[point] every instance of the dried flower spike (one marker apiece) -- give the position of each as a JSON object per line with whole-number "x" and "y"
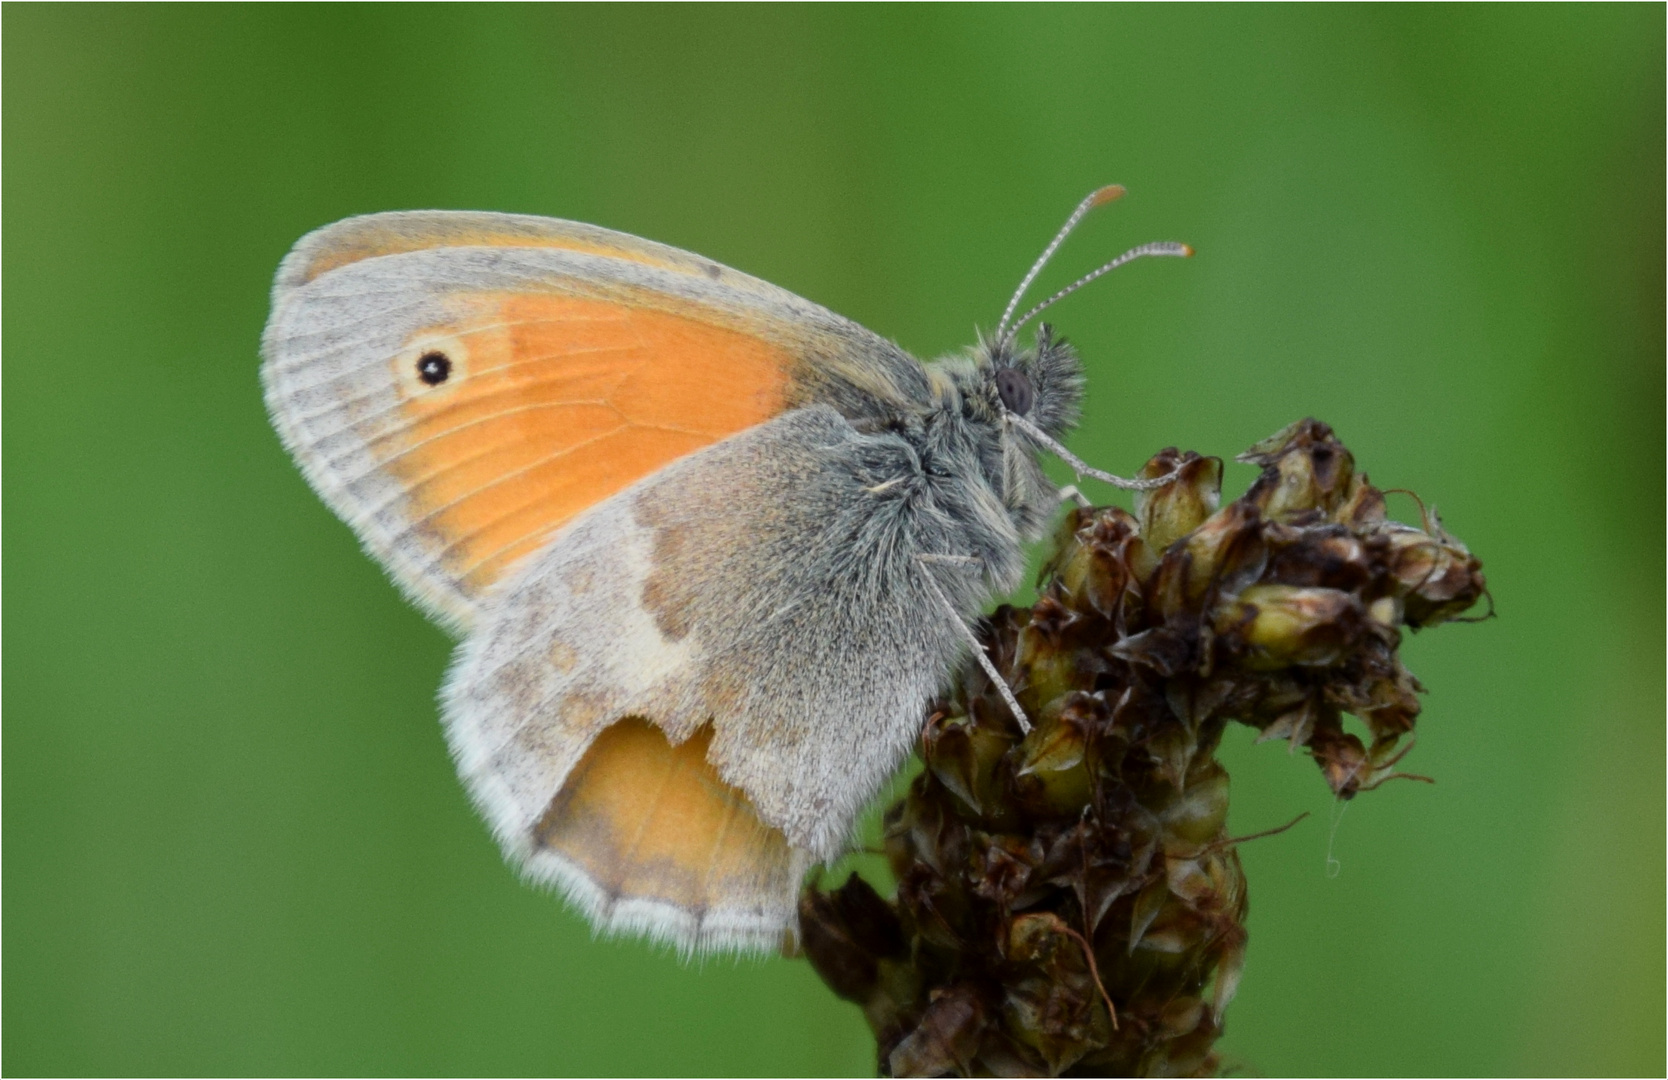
{"x": 1069, "y": 901}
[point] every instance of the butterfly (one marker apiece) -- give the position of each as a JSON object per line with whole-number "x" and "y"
{"x": 709, "y": 547}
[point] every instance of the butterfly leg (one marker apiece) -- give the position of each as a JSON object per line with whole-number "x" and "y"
{"x": 967, "y": 632}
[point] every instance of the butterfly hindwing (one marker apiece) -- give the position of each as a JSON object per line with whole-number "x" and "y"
{"x": 760, "y": 601}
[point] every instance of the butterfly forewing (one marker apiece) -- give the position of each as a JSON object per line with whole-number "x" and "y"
{"x": 457, "y": 403}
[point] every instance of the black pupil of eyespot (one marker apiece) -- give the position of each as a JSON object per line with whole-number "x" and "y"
{"x": 433, "y": 367}
{"x": 1015, "y": 391}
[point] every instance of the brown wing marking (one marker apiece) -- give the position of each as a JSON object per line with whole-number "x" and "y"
{"x": 645, "y": 820}
{"x": 553, "y": 403}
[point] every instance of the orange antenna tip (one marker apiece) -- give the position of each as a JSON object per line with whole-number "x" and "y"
{"x": 1106, "y": 195}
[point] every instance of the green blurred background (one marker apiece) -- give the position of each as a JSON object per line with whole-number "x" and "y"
{"x": 233, "y": 841}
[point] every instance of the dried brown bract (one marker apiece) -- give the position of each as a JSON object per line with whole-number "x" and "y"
{"x": 1069, "y": 901}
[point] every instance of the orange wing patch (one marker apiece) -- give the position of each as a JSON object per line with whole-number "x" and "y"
{"x": 546, "y": 404}
{"x": 646, "y": 820}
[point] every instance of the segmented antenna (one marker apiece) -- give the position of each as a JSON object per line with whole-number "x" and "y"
{"x": 1005, "y": 334}
{"x": 1161, "y": 247}
{"x": 1098, "y": 197}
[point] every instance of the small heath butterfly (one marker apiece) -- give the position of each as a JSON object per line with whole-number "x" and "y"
{"x": 710, "y": 548}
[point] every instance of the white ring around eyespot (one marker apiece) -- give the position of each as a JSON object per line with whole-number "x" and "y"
{"x": 406, "y": 375}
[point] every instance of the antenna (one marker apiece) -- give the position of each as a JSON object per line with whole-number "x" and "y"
{"x": 1098, "y": 197}
{"x": 1162, "y": 247}
{"x": 1005, "y": 334}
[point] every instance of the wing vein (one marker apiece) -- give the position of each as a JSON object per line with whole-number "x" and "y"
{"x": 406, "y": 494}
{"x": 496, "y": 552}
{"x": 346, "y": 402}
{"x": 438, "y": 330}
{"x": 630, "y": 853}
{"x": 463, "y": 538}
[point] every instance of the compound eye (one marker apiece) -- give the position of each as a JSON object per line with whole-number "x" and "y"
{"x": 1015, "y": 391}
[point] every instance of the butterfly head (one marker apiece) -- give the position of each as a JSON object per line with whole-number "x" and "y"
{"x": 1043, "y": 383}
{"x": 980, "y": 394}
{"x": 1026, "y": 398}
